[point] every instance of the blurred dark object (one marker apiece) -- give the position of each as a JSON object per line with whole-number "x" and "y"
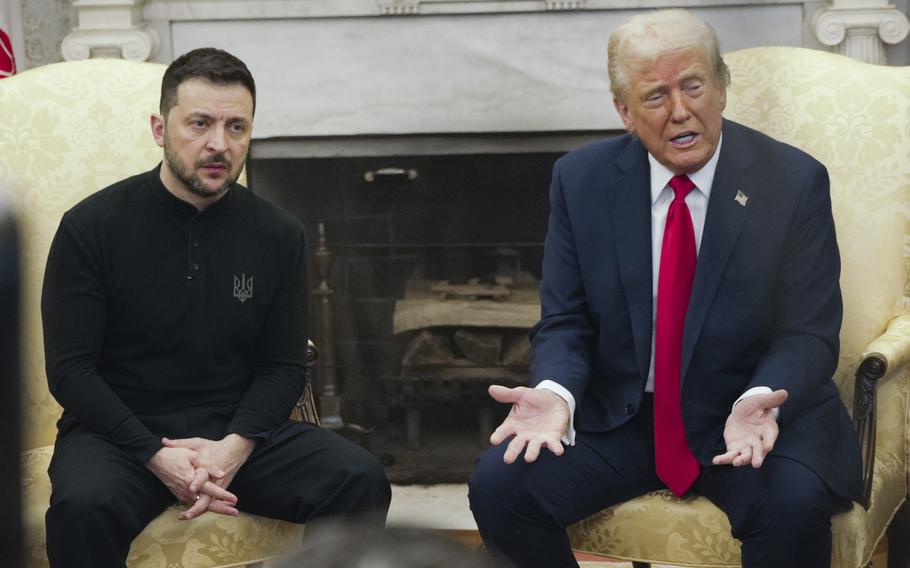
{"x": 352, "y": 545}
{"x": 10, "y": 412}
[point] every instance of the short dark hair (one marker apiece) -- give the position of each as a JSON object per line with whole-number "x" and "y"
{"x": 214, "y": 65}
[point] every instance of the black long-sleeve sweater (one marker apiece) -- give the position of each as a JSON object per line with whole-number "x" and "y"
{"x": 151, "y": 307}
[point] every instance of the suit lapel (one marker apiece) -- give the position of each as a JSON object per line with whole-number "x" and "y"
{"x": 723, "y": 224}
{"x": 629, "y": 201}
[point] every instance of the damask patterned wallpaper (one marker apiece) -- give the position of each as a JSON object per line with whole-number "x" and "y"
{"x": 45, "y": 23}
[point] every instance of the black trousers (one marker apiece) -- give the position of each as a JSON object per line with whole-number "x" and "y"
{"x": 102, "y": 497}
{"x": 781, "y": 511}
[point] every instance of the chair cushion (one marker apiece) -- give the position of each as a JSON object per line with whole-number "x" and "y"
{"x": 205, "y": 542}
{"x": 661, "y": 528}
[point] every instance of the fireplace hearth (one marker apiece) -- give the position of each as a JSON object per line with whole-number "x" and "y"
{"x": 434, "y": 256}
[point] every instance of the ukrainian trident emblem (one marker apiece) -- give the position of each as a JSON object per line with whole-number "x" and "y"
{"x": 243, "y": 288}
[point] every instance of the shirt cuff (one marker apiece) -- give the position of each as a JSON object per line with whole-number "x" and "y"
{"x": 759, "y": 390}
{"x": 569, "y": 437}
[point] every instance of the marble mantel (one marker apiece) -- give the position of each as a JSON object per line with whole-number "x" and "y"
{"x": 509, "y": 71}
{"x": 359, "y": 72}
{"x": 279, "y": 9}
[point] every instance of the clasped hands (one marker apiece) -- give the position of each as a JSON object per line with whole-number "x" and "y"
{"x": 539, "y": 418}
{"x": 198, "y": 471}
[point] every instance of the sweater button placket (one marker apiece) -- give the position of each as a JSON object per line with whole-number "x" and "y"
{"x": 193, "y": 260}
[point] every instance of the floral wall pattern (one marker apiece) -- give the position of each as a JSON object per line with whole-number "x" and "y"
{"x": 44, "y": 24}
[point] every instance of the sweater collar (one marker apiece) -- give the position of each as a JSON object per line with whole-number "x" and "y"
{"x": 181, "y": 208}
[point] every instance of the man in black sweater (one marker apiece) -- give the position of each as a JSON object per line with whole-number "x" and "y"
{"x": 175, "y": 311}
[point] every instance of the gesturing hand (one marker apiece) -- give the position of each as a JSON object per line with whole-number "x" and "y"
{"x": 751, "y": 430}
{"x": 539, "y": 417}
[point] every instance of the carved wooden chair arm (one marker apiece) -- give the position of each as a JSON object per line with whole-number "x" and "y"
{"x": 305, "y": 409}
{"x": 887, "y": 353}
{"x": 893, "y": 346}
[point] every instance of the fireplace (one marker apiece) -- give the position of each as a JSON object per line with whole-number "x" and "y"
{"x": 407, "y": 224}
{"x": 422, "y": 133}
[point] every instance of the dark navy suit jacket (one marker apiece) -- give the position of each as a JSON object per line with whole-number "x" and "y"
{"x": 765, "y": 309}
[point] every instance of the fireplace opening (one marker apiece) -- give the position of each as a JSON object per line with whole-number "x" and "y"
{"x": 436, "y": 264}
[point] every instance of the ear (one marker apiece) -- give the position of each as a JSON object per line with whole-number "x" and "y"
{"x": 723, "y": 98}
{"x": 158, "y": 129}
{"x": 623, "y": 110}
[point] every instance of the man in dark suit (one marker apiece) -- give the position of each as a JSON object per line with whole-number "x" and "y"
{"x": 689, "y": 331}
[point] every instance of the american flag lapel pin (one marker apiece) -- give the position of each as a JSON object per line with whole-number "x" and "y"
{"x": 741, "y": 198}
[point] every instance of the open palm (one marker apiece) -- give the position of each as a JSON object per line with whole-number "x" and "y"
{"x": 751, "y": 430}
{"x": 538, "y": 418}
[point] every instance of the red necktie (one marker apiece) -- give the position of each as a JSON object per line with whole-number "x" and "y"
{"x": 676, "y": 465}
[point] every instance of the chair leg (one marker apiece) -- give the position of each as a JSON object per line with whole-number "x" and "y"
{"x": 899, "y": 539}
{"x": 412, "y": 427}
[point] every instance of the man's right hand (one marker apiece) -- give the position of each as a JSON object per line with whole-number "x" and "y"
{"x": 222, "y": 458}
{"x": 538, "y": 418}
{"x": 178, "y": 470}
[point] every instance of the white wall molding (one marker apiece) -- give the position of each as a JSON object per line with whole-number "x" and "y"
{"x": 188, "y": 10}
{"x": 399, "y": 7}
{"x": 16, "y": 32}
{"x": 111, "y": 28}
{"x": 530, "y": 72}
{"x": 860, "y": 29}
{"x": 136, "y": 45}
{"x": 347, "y": 68}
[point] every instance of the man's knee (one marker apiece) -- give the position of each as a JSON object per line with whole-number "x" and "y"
{"x": 788, "y": 509}
{"x": 497, "y": 489}
{"x": 86, "y": 506}
{"x": 361, "y": 480}
{"x": 487, "y": 482}
{"x": 369, "y": 474}
{"x": 800, "y": 514}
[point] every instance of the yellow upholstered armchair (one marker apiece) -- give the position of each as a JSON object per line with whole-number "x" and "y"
{"x": 855, "y": 118}
{"x": 67, "y": 130}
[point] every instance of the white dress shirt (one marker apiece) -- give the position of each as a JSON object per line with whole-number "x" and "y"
{"x": 661, "y": 197}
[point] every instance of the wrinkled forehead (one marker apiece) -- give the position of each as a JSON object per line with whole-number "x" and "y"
{"x": 202, "y": 96}
{"x": 687, "y": 61}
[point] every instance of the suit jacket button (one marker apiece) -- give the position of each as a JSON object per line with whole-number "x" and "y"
{"x": 630, "y": 410}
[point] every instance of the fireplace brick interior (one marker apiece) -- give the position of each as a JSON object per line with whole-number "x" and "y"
{"x": 445, "y": 224}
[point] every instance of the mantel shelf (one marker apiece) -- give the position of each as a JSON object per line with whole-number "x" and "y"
{"x": 184, "y": 10}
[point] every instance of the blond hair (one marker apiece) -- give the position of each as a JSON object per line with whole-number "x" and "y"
{"x": 639, "y": 42}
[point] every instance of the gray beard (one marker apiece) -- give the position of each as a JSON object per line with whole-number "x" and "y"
{"x": 193, "y": 182}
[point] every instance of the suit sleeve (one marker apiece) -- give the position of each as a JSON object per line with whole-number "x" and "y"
{"x": 807, "y": 307}
{"x": 280, "y": 372}
{"x": 561, "y": 341}
{"x": 74, "y": 310}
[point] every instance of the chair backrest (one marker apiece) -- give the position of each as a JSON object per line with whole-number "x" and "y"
{"x": 855, "y": 118}
{"x": 66, "y": 131}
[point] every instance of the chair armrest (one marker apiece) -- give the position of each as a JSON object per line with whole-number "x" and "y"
{"x": 305, "y": 409}
{"x": 889, "y": 352}
{"x": 893, "y": 346}
{"x": 312, "y": 354}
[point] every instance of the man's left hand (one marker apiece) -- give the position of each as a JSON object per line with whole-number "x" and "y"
{"x": 221, "y": 459}
{"x": 751, "y": 430}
